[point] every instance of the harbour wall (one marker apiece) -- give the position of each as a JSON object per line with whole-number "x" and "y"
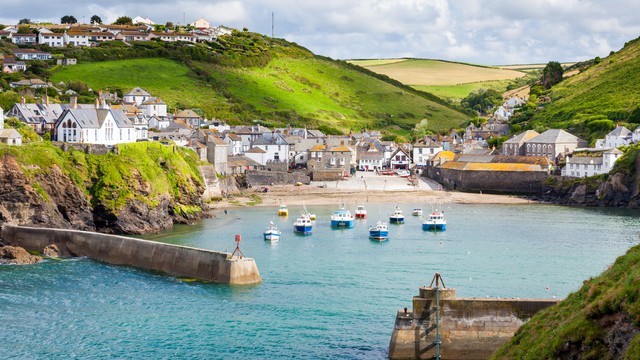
{"x": 468, "y": 328}
{"x": 494, "y": 181}
{"x": 260, "y": 177}
{"x": 174, "y": 260}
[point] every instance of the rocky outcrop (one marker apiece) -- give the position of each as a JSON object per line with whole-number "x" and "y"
{"x": 53, "y": 199}
{"x": 17, "y": 256}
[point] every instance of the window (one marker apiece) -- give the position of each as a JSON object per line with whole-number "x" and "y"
{"x": 276, "y": 156}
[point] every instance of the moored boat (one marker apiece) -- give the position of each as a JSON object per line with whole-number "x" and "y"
{"x": 435, "y": 222}
{"x": 272, "y": 233}
{"x": 361, "y": 212}
{"x": 416, "y": 212}
{"x": 397, "y": 217}
{"x": 379, "y": 232}
{"x": 342, "y": 219}
{"x": 303, "y": 224}
{"x": 283, "y": 211}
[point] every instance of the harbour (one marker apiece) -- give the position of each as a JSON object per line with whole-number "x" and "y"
{"x": 332, "y": 294}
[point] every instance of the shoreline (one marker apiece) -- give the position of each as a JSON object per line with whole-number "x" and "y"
{"x": 313, "y": 195}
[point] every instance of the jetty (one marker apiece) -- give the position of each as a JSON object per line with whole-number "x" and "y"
{"x": 174, "y": 260}
{"x": 442, "y": 326}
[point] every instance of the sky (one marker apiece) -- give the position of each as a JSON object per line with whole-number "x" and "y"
{"x": 489, "y": 32}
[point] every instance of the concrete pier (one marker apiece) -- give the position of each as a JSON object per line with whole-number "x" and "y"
{"x": 174, "y": 260}
{"x": 468, "y": 328}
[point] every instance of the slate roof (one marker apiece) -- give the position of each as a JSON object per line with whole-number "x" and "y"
{"x": 620, "y": 131}
{"x": 188, "y": 114}
{"x": 521, "y": 138}
{"x": 94, "y": 118}
{"x": 256, "y": 150}
{"x": 9, "y": 134}
{"x": 137, "y": 92}
{"x": 555, "y": 136}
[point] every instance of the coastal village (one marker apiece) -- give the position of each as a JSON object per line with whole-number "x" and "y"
{"x": 291, "y": 155}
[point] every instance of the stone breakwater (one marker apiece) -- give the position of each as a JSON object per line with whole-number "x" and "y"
{"x": 174, "y": 260}
{"x": 468, "y": 328}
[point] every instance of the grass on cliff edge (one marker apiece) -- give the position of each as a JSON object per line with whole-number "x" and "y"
{"x": 580, "y": 324}
{"x": 144, "y": 171}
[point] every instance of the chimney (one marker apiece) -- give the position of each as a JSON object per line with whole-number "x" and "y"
{"x": 46, "y": 99}
{"x": 22, "y": 100}
{"x": 73, "y": 102}
{"x": 98, "y": 103}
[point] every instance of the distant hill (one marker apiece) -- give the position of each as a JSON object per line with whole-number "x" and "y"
{"x": 250, "y": 78}
{"x": 590, "y": 103}
{"x": 446, "y": 79}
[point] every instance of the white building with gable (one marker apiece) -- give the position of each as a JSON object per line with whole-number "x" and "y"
{"x": 95, "y": 126}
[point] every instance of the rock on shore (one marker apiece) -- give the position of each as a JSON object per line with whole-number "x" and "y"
{"x": 17, "y": 256}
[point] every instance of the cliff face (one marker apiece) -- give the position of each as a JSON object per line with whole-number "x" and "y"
{"x": 106, "y": 193}
{"x": 617, "y": 190}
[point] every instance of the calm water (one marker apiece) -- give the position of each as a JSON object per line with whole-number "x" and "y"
{"x": 330, "y": 295}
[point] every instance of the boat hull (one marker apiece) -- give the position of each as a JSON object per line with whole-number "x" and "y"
{"x": 348, "y": 224}
{"x": 379, "y": 235}
{"x": 434, "y": 227}
{"x": 303, "y": 229}
{"x": 271, "y": 237}
{"x": 396, "y": 220}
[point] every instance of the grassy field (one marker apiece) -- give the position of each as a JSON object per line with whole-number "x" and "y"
{"x": 172, "y": 81}
{"x": 436, "y": 72}
{"x": 301, "y": 91}
{"x": 462, "y": 90}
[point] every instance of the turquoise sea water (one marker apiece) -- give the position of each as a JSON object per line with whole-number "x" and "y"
{"x": 331, "y": 295}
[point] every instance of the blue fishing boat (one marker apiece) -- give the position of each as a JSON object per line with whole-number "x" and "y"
{"x": 397, "y": 217}
{"x": 272, "y": 233}
{"x": 379, "y": 232}
{"x": 435, "y": 222}
{"x": 342, "y": 219}
{"x": 303, "y": 224}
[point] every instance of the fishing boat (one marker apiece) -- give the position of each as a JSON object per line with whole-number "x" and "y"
{"x": 416, "y": 212}
{"x": 283, "y": 211}
{"x": 342, "y": 219}
{"x": 435, "y": 222}
{"x": 272, "y": 233}
{"x": 397, "y": 217}
{"x": 361, "y": 212}
{"x": 379, "y": 232}
{"x": 303, "y": 224}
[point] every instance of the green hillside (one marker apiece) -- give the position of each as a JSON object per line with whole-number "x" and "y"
{"x": 590, "y": 103}
{"x": 250, "y": 78}
{"x": 599, "y": 321}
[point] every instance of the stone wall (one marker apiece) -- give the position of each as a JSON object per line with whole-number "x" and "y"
{"x": 468, "y": 328}
{"x": 259, "y": 178}
{"x": 170, "y": 259}
{"x": 94, "y": 149}
{"x": 490, "y": 181}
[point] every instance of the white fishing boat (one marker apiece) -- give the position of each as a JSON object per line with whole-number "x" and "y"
{"x": 416, "y": 212}
{"x": 397, "y": 217}
{"x": 361, "y": 212}
{"x": 435, "y": 222}
{"x": 272, "y": 233}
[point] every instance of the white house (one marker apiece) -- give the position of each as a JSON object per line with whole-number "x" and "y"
{"x": 275, "y": 147}
{"x": 590, "y": 163}
{"x": 31, "y": 54}
{"x": 140, "y": 20}
{"x": 400, "y": 159}
{"x": 159, "y": 123}
{"x": 256, "y": 154}
{"x": 424, "y": 150}
{"x": 501, "y": 114}
{"x": 10, "y": 137}
{"x": 50, "y": 38}
{"x": 136, "y": 96}
{"x": 201, "y": 24}
{"x": 76, "y": 38}
{"x": 23, "y": 39}
{"x": 619, "y": 136}
{"x": 235, "y": 143}
{"x": 154, "y": 106}
{"x": 95, "y": 126}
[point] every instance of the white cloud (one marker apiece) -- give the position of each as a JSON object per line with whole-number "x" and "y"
{"x": 479, "y": 31}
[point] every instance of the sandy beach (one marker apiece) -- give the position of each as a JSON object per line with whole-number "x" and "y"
{"x": 365, "y": 187}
